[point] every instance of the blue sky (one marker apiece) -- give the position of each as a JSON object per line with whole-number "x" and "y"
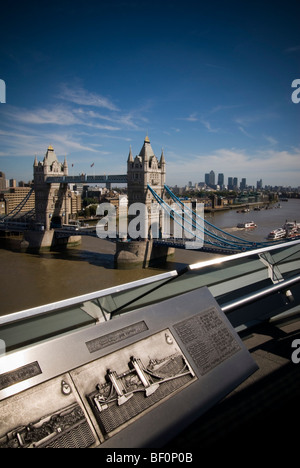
{"x": 210, "y": 82}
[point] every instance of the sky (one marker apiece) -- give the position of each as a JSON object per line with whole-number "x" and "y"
{"x": 210, "y": 83}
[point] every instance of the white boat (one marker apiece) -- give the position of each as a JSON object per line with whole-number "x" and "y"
{"x": 249, "y": 224}
{"x": 292, "y": 229}
{"x": 291, "y": 226}
{"x": 277, "y": 234}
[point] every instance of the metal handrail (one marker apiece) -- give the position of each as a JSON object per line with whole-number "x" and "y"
{"x": 250, "y": 298}
{"x": 215, "y": 261}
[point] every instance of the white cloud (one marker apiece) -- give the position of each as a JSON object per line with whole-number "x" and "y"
{"x": 270, "y": 140}
{"x": 244, "y": 132}
{"x": 209, "y": 127}
{"x": 223, "y": 107}
{"x": 56, "y": 115}
{"x": 73, "y": 128}
{"x": 79, "y": 95}
{"x": 256, "y": 118}
{"x": 67, "y": 141}
{"x": 24, "y": 144}
{"x": 191, "y": 118}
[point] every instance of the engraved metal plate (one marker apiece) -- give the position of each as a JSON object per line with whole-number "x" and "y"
{"x": 135, "y": 378}
{"x": 49, "y": 415}
{"x": 115, "y": 337}
{"x": 207, "y": 339}
{"x": 67, "y": 428}
{"x": 19, "y": 375}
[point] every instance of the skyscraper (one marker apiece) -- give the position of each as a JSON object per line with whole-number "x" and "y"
{"x": 2, "y": 181}
{"x": 243, "y": 184}
{"x": 212, "y": 179}
{"x": 221, "y": 180}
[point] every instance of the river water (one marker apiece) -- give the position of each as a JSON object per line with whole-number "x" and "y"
{"x": 30, "y": 280}
{"x": 265, "y": 219}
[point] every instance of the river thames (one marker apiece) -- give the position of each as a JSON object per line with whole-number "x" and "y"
{"x": 29, "y": 280}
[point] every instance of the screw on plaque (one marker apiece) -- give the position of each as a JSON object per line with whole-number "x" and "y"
{"x": 65, "y": 388}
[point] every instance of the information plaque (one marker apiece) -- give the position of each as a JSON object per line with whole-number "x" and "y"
{"x": 134, "y": 381}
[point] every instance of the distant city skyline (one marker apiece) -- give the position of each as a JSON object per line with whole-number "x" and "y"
{"x": 210, "y": 83}
{"x": 223, "y": 181}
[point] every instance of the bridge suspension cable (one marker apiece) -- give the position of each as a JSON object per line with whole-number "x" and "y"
{"x": 209, "y": 233}
{"x": 213, "y": 229}
{"x": 211, "y": 238}
{"x": 175, "y": 216}
{"x": 19, "y": 207}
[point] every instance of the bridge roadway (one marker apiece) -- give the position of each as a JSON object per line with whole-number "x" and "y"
{"x": 13, "y": 226}
{"x": 176, "y": 243}
{"x": 64, "y": 232}
{"x": 91, "y": 231}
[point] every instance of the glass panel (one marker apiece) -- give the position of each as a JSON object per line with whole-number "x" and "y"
{"x": 288, "y": 260}
{"x": 59, "y": 319}
{"x": 117, "y": 301}
{"x": 18, "y": 335}
{"x": 227, "y": 278}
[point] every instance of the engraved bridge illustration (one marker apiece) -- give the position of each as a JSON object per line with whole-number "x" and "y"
{"x": 126, "y": 395}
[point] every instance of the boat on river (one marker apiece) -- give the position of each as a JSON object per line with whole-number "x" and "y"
{"x": 279, "y": 233}
{"x": 292, "y": 229}
{"x": 247, "y": 225}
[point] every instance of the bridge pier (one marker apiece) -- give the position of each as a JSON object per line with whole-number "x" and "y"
{"x": 46, "y": 240}
{"x": 140, "y": 253}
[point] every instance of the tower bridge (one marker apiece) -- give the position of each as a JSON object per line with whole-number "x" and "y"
{"x": 146, "y": 184}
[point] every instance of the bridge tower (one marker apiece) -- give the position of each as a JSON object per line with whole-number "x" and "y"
{"x": 51, "y": 199}
{"x": 143, "y": 170}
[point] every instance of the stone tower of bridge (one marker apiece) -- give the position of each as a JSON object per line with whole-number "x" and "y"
{"x": 143, "y": 170}
{"x": 51, "y": 198}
